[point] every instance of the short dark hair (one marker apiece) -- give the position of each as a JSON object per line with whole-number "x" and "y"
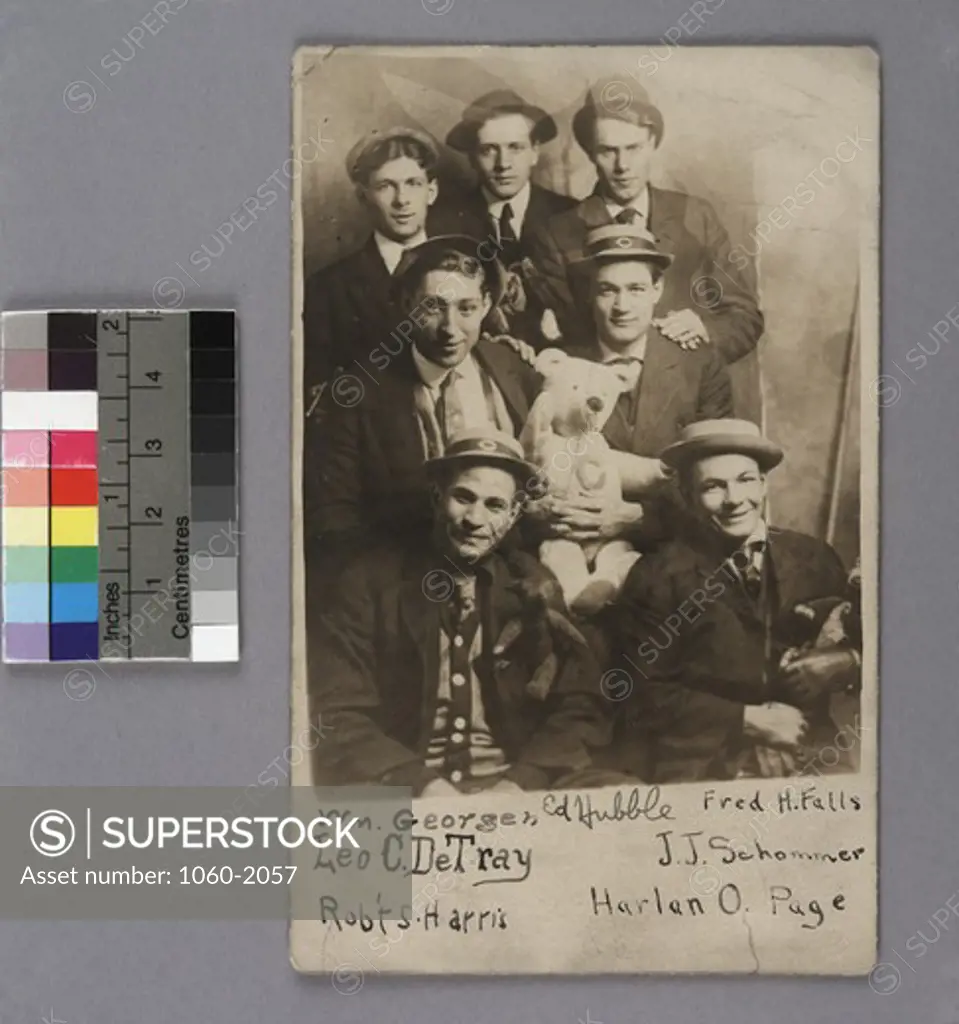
{"x": 393, "y": 149}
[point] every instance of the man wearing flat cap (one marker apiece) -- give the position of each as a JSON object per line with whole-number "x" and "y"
{"x": 705, "y": 299}
{"x": 433, "y": 376}
{"x": 419, "y": 670}
{"x": 703, "y": 629}
{"x": 501, "y": 135}
{"x": 347, "y": 306}
{"x": 624, "y": 269}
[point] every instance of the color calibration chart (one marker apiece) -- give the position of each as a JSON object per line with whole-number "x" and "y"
{"x": 119, "y": 486}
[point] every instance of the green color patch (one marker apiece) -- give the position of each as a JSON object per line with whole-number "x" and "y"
{"x": 25, "y": 565}
{"x": 74, "y": 565}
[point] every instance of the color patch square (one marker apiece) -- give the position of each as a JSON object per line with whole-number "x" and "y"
{"x": 73, "y": 527}
{"x": 25, "y": 486}
{"x": 25, "y": 527}
{"x": 48, "y": 410}
{"x": 26, "y": 642}
{"x": 74, "y": 448}
{"x": 25, "y": 329}
{"x": 29, "y": 449}
{"x": 72, "y": 331}
{"x": 24, "y": 370}
{"x": 72, "y": 371}
{"x": 215, "y": 643}
{"x": 73, "y": 602}
{"x": 73, "y": 487}
{"x": 26, "y": 602}
{"x": 26, "y": 565}
{"x": 73, "y": 565}
{"x": 74, "y": 641}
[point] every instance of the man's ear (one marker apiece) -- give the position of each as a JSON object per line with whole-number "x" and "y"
{"x": 432, "y": 191}
{"x": 487, "y": 305}
{"x": 658, "y": 286}
{"x": 535, "y": 147}
{"x": 360, "y": 191}
{"x": 436, "y": 495}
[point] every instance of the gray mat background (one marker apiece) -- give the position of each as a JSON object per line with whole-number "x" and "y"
{"x": 97, "y": 207}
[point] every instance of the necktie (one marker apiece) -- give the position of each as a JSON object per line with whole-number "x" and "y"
{"x": 633, "y": 364}
{"x": 464, "y": 598}
{"x": 752, "y": 574}
{"x": 449, "y": 409}
{"x": 507, "y": 235}
{"x": 629, "y": 216}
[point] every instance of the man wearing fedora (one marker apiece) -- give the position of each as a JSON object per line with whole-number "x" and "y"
{"x": 705, "y": 298}
{"x": 411, "y": 669}
{"x": 624, "y": 269}
{"x": 437, "y": 375}
{"x": 701, "y": 626}
{"x": 501, "y": 136}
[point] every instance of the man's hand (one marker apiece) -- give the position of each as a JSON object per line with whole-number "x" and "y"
{"x": 684, "y": 327}
{"x": 439, "y": 787}
{"x": 818, "y": 672}
{"x": 587, "y": 519}
{"x": 774, "y": 725}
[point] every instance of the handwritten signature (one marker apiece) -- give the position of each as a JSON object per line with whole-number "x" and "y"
{"x": 627, "y": 805}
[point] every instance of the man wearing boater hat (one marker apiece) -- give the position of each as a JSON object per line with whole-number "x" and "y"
{"x": 703, "y": 626}
{"x": 408, "y": 667}
{"x": 501, "y": 136}
{"x": 705, "y": 300}
{"x": 433, "y": 376}
{"x": 624, "y": 269}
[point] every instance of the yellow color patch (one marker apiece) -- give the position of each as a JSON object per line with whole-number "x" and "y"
{"x": 73, "y": 526}
{"x": 25, "y": 526}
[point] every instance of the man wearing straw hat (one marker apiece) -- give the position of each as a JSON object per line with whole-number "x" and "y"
{"x": 706, "y": 300}
{"x": 704, "y": 626}
{"x": 418, "y": 670}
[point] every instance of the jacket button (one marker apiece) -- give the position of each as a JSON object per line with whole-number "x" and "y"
{"x": 456, "y": 776}
{"x": 458, "y": 679}
{"x": 460, "y": 723}
{"x": 457, "y": 737}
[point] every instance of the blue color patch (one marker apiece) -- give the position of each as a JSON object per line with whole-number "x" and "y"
{"x": 74, "y": 602}
{"x": 74, "y": 641}
{"x": 27, "y": 602}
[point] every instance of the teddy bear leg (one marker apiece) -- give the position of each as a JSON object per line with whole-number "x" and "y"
{"x": 613, "y": 562}
{"x": 566, "y": 560}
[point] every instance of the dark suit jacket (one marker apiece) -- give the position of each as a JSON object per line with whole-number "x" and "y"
{"x": 676, "y": 388}
{"x": 364, "y": 470}
{"x": 469, "y": 215}
{"x": 698, "y": 649}
{"x": 703, "y": 277}
{"x": 374, "y": 677}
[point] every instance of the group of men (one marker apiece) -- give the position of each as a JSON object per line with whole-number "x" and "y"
{"x": 441, "y": 653}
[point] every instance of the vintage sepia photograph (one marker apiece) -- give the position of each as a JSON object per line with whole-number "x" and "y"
{"x": 586, "y": 493}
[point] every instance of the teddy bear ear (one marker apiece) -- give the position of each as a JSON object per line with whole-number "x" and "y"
{"x": 549, "y": 359}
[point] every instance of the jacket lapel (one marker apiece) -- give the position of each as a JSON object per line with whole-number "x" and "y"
{"x": 592, "y": 211}
{"x": 666, "y": 212}
{"x": 658, "y": 384}
{"x": 420, "y": 618}
{"x": 371, "y": 283}
{"x": 496, "y": 359}
{"x": 786, "y": 570}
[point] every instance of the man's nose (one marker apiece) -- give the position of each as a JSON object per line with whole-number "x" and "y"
{"x": 401, "y": 197}
{"x": 594, "y": 403}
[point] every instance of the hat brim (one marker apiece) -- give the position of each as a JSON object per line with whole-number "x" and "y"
{"x": 493, "y": 270}
{"x": 682, "y": 453}
{"x": 462, "y": 136}
{"x": 523, "y": 472}
{"x": 375, "y": 137}
{"x": 660, "y": 259}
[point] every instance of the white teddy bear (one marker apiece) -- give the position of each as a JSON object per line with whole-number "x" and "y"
{"x": 563, "y": 437}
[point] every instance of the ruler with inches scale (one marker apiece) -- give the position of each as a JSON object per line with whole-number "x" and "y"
{"x": 120, "y": 486}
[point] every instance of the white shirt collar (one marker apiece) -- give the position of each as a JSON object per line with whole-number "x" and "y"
{"x": 640, "y": 204}
{"x": 433, "y": 376}
{"x": 518, "y": 204}
{"x": 637, "y": 350}
{"x": 392, "y": 252}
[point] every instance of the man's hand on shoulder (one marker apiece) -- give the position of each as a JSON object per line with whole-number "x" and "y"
{"x": 775, "y": 725}
{"x": 684, "y": 327}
